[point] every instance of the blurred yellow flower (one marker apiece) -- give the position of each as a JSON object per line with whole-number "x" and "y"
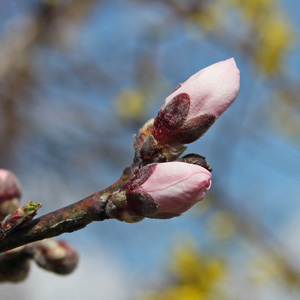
{"x": 130, "y": 105}
{"x": 253, "y": 8}
{"x": 274, "y": 40}
{"x": 271, "y": 32}
{"x": 184, "y": 292}
{"x": 197, "y": 276}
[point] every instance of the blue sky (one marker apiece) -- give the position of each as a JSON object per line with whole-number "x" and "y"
{"x": 254, "y": 164}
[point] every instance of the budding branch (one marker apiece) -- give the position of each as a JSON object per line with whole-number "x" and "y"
{"x": 68, "y": 219}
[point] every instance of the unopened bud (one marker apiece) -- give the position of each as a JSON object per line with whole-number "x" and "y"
{"x": 10, "y": 193}
{"x": 193, "y": 107}
{"x": 166, "y": 190}
{"x": 56, "y": 256}
{"x": 188, "y": 113}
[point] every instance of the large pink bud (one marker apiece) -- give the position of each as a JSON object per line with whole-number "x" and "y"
{"x": 168, "y": 189}
{"x": 193, "y": 107}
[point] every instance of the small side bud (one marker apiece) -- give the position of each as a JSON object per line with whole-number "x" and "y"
{"x": 196, "y": 159}
{"x": 130, "y": 216}
{"x": 56, "y": 256}
{"x": 21, "y": 217}
{"x": 118, "y": 208}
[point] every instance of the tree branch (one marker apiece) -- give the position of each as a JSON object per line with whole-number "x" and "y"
{"x": 68, "y": 219}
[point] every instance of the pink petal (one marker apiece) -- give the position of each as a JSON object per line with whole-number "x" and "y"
{"x": 212, "y": 90}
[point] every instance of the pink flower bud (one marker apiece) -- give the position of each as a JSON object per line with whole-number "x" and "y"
{"x": 56, "y": 256}
{"x": 193, "y": 107}
{"x": 168, "y": 189}
{"x": 9, "y": 186}
{"x": 10, "y": 193}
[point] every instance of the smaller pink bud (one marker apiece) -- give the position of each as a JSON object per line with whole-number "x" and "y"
{"x": 193, "y": 107}
{"x": 56, "y": 256}
{"x": 9, "y": 186}
{"x": 165, "y": 190}
{"x": 10, "y": 193}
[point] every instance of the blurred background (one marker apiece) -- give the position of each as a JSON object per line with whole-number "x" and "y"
{"x": 79, "y": 78}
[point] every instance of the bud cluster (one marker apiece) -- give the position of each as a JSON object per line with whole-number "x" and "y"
{"x": 53, "y": 255}
{"x": 164, "y": 185}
